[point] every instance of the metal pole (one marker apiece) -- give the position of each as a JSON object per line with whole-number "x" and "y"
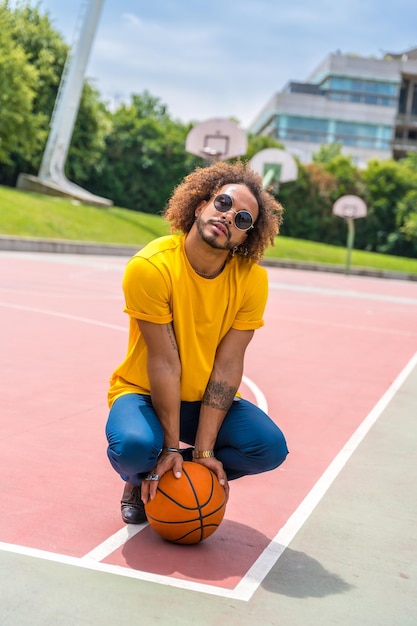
{"x": 350, "y": 241}
{"x": 68, "y": 100}
{"x": 268, "y": 177}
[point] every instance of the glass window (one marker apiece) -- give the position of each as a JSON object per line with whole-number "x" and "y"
{"x": 414, "y": 101}
{"x": 340, "y": 83}
{"x": 386, "y": 102}
{"x": 363, "y": 130}
{"x": 306, "y": 123}
{"x": 402, "y": 104}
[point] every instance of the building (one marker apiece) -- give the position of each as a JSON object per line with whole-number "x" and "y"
{"x": 368, "y": 105}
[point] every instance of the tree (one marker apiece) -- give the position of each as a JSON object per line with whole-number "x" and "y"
{"x": 31, "y": 35}
{"x": 407, "y": 223}
{"x": 35, "y": 72}
{"x": 19, "y": 131}
{"x": 308, "y": 205}
{"x": 327, "y": 153}
{"x": 387, "y": 183}
{"x": 145, "y": 156}
{"x": 88, "y": 141}
{"x": 256, "y": 143}
{"x": 410, "y": 161}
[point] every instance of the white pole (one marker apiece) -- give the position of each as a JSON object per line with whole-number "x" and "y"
{"x": 68, "y": 101}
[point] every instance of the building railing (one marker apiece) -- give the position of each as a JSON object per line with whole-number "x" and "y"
{"x": 404, "y": 144}
{"x": 406, "y": 120}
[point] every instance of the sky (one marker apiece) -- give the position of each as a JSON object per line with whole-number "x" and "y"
{"x": 226, "y": 58}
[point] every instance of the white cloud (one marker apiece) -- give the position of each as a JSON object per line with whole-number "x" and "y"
{"x": 227, "y": 58}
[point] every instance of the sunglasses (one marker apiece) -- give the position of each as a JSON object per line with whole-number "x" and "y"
{"x": 243, "y": 220}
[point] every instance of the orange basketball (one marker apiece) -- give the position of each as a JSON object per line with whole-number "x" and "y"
{"x": 187, "y": 509}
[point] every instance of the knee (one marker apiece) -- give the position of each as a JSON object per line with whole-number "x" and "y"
{"x": 276, "y": 451}
{"x": 129, "y": 452}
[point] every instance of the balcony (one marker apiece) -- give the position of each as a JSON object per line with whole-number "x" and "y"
{"x": 406, "y": 120}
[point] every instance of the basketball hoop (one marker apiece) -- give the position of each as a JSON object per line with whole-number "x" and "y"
{"x": 216, "y": 140}
{"x": 275, "y": 166}
{"x": 350, "y": 208}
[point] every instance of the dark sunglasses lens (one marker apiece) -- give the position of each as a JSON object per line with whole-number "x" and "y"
{"x": 223, "y": 202}
{"x": 243, "y": 220}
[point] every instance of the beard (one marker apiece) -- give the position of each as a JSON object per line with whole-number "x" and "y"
{"x": 212, "y": 239}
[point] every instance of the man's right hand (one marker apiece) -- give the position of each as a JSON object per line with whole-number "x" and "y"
{"x": 167, "y": 461}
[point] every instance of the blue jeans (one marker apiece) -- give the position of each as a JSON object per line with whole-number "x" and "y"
{"x": 248, "y": 441}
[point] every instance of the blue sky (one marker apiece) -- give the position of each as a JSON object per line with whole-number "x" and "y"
{"x": 226, "y": 58}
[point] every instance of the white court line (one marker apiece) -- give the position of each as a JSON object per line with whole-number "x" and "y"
{"x": 75, "y": 318}
{"x": 114, "y": 542}
{"x": 260, "y": 397}
{"x": 117, "y": 540}
{"x": 262, "y": 566}
{"x": 255, "y": 575}
{"x": 261, "y": 401}
{"x": 118, "y": 570}
{"x": 343, "y": 293}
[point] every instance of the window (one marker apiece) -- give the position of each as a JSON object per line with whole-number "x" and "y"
{"x": 402, "y": 104}
{"x": 414, "y": 101}
{"x": 354, "y": 85}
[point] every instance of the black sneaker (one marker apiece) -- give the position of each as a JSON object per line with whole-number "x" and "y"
{"x": 132, "y": 507}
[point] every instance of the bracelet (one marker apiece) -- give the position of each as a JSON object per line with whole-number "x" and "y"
{"x": 172, "y": 450}
{"x": 203, "y": 454}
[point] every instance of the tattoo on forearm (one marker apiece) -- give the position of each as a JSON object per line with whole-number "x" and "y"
{"x": 171, "y": 336}
{"x": 219, "y": 395}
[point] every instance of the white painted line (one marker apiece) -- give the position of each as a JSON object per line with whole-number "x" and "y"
{"x": 262, "y": 566}
{"x": 344, "y": 293}
{"x": 114, "y": 542}
{"x": 245, "y": 589}
{"x": 261, "y": 401}
{"x": 75, "y": 318}
{"x": 118, "y": 570}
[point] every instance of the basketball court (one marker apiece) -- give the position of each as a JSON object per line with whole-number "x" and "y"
{"x": 329, "y": 537}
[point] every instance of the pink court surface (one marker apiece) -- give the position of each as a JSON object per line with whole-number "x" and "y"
{"x": 332, "y": 355}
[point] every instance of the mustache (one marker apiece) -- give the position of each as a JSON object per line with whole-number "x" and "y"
{"x": 215, "y": 220}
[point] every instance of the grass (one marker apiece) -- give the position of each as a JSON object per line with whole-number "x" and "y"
{"x": 24, "y": 214}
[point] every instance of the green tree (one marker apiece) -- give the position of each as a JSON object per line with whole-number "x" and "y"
{"x": 145, "y": 156}
{"x": 88, "y": 141}
{"x": 19, "y": 131}
{"x": 407, "y": 223}
{"x": 32, "y": 35}
{"x": 308, "y": 205}
{"x": 44, "y": 52}
{"x": 347, "y": 175}
{"x": 320, "y": 183}
{"x": 327, "y": 153}
{"x": 387, "y": 183}
{"x": 256, "y": 143}
{"x": 410, "y": 161}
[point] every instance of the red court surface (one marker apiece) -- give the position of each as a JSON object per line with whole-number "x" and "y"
{"x": 333, "y": 351}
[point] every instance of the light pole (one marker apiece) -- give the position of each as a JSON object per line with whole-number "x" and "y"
{"x": 51, "y": 177}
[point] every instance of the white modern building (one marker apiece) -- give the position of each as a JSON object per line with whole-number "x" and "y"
{"x": 368, "y": 105}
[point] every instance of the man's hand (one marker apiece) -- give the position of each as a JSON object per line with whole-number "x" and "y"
{"x": 167, "y": 461}
{"x": 216, "y": 467}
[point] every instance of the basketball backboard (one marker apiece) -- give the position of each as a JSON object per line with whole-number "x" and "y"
{"x": 217, "y": 139}
{"x": 275, "y": 166}
{"x": 350, "y": 207}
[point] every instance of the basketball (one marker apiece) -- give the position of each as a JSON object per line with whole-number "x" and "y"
{"x": 188, "y": 509}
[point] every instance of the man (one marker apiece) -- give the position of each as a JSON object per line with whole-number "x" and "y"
{"x": 194, "y": 301}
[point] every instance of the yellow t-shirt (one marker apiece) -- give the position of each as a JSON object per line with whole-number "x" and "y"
{"x": 160, "y": 286}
